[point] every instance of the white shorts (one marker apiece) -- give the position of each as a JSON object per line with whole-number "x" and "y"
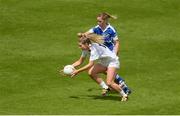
{"x": 109, "y": 62}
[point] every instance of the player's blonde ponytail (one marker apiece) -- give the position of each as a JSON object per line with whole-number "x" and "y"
{"x": 91, "y": 38}
{"x": 111, "y": 16}
{"x": 106, "y": 16}
{"x": 95, "y": 38}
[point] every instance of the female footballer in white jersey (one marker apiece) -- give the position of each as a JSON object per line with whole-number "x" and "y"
{"x": 110, "y": 39}
{"x": 107, "y": 62}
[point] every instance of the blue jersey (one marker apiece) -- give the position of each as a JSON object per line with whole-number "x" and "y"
{"x": 109, "y": 34}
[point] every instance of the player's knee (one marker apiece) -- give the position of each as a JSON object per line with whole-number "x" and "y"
{"x": 109, "y": 83}
{"x": 90, "y": 73}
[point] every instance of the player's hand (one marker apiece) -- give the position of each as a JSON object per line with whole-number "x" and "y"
{"x": 74, "y": 73}
{"x": 62, "y": 73}
{"x": 81, "y": 34}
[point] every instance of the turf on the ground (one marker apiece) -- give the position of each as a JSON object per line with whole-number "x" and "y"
{"x": 37, "y": 37}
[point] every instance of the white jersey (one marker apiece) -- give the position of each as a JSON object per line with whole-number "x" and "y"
{"x": 98, "y": 51}
{"x": 103, "y": 54}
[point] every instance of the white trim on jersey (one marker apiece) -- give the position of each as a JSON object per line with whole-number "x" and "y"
{"x": 112, "y": 28}
{"x": 91, "y": 30}
{"x": 108, "y": 26}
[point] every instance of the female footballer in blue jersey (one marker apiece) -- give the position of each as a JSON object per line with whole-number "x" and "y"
{"x": 110, "y": 39}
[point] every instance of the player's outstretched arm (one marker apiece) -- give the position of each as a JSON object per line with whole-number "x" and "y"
{"x": 89, "y": 65}
{"x": 79, "y": 61}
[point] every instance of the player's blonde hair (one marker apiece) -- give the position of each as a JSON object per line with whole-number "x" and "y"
{"x": 106, "y": 16}
{"x": 91, "y": 38}
{"x": 84, "y": 40}
{"x": 95, "y": 38}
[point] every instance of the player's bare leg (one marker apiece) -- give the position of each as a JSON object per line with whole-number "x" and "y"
{"x": 93, "y": 73}
{"x": 111, "y": 73}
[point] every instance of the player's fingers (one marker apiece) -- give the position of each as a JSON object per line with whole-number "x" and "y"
{"x": 62, "y": 73}
{"x": 79, "y": 34}
{"x": 61, "y": 70}
{"x": 85, "y": 35}
{"x": 73, "y": 75}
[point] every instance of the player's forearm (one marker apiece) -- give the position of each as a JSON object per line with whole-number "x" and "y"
{"x": 117, "y": 50}
{"x": 117, "y": 47}
{"x": 77, "y": 63}
{"x": 89, "y": 65}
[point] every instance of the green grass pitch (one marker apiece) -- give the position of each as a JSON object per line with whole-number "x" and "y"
{"x": 37, "y": 37}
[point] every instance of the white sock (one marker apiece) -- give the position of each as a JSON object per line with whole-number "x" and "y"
{"x": 123, "y": 84}
{"x": 103, "y": 85}
{"x": 122, "y": 93}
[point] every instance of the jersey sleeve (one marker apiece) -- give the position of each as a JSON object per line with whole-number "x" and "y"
{"x": 114, "y": 35}
{"x": 91, "y": 30}
{"x": 115, "y": 38}
{"x": 84, "y": 53}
